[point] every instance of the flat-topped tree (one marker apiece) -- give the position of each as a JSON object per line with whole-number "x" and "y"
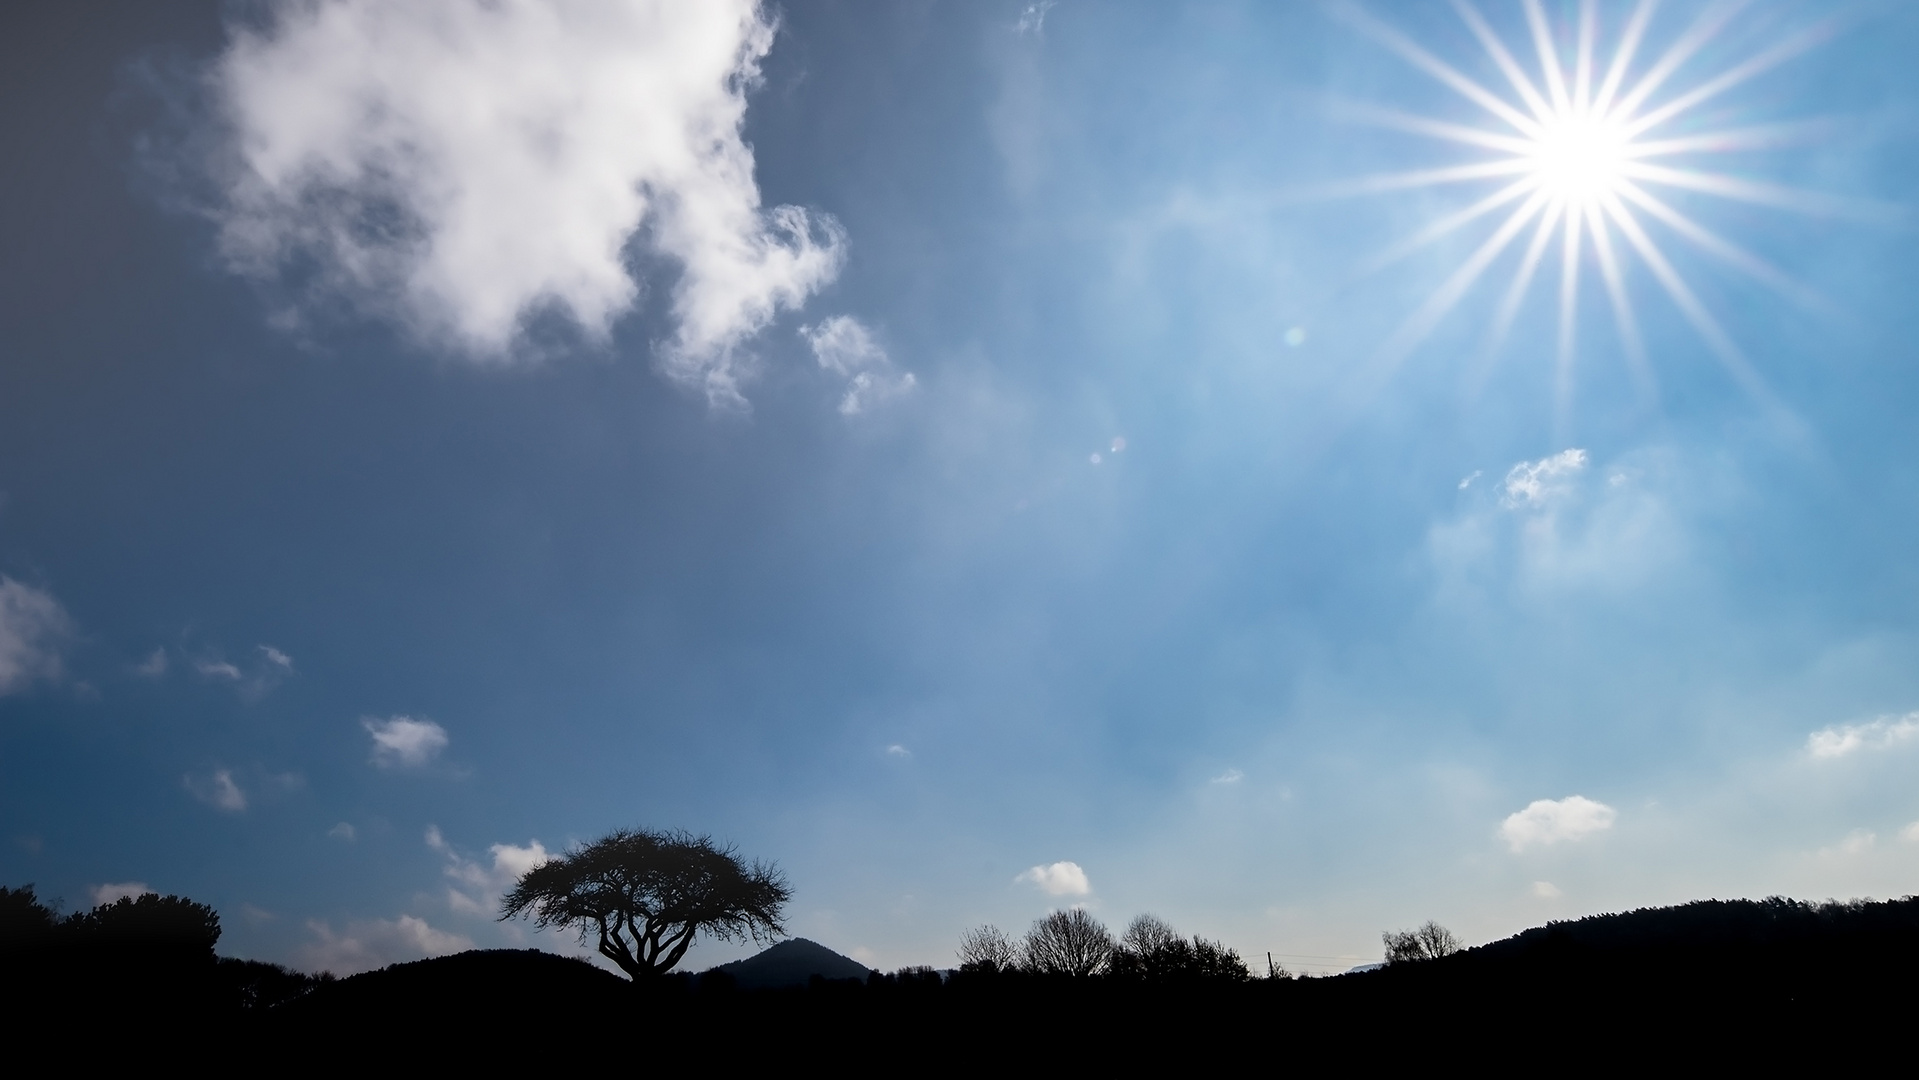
{"x": 647, "y": 895}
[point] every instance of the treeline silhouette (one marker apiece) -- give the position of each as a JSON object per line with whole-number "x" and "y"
{"x": 148, "y": 954}
{"x": 1710, "y": 980}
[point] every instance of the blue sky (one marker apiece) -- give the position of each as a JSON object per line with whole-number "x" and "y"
{"x": 932, "y": 445}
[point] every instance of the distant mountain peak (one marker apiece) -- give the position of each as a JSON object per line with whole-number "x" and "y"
{"x": 792, "y": 962}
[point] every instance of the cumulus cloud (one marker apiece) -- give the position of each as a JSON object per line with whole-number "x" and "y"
{"x": 1881, "y": 734}
{"x": 845, "y": 347}
{"x": 1545, "y": 890}
{"x": 1538, "y": 483}
{"x": 1059, "y": 879}
{"x": 463, "y": 167}
{"x": 1545, "y": 822}
{"x": 32, "y": 623}
{"x": 375, "y": 943}
{"x": 217, "y": 789}
{"x": 478, "y": 886}
{"x": 401, "y": 742}
{"x": 1910, "y": 833}
{"x": 108, "y": 893}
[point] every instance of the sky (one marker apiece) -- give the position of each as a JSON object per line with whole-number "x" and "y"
{"x": 1297, "y": 469}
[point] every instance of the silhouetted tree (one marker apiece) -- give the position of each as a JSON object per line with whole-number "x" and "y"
{"x": 1070, "y": 943}
{"x": 1428, "y": 942}
{"x": 149, "y": 921}
{"x": 647, "y": 894}
{"x": 986, "y": 950}
{"x": 25, "y": 923}
{"x": 1151, "y": 951}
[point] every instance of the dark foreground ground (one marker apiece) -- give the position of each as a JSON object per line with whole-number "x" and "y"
{"x": 1770, "y": 983}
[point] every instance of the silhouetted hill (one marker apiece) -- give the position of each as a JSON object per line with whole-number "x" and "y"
{"x": 792, "y": 963}
{"x": 477, "y": 986}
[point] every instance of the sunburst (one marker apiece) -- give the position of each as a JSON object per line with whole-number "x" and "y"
{"x": 1579, "y": 150}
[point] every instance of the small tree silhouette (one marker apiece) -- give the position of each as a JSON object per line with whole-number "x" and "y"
{"x": 986, "y": 950}
{"x": 647, "y": 894}
{"x": 1070, "y": 943}
{"x": 1428, "y": 942}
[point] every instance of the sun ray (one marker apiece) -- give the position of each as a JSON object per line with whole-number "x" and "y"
{"x": 1623, "y": 56}
{"x": 1496, "y": 49}
{"x": 1449, "y": 224}
{"x": 1548, "y": 57}
{"x": 1754, "y": 137}
{"x": 1721, "y": 343}
{"x": 1422, "y": 321}
{"x": 1777, "y": 196}
{"x": 1710, "y": 22}
{"x": 1583, "y": 65}
{"x": 1416, "y": 178}
{"x": 1568, "y": 319}
{"x": 1463, "y": 134}
{"x": 1622, "y": 309}
{"x": 1436, "y": 67}
{"x": 1727, "y": 252}
{"x": 1522, "y": 279}
{"x": 1732, "y": 77}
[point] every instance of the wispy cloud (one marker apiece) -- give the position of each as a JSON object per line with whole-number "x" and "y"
{"x": 464, "y": 168}
{"x": 343, "y": 831}
{"x": 1538, "y": 483}
{"x": 845, "y": 347}
{"x": 154, "y": 666}
{"x": 1881, "y": 734}
{"x": 1230, "y": 776}
{"x": 1545, "y": 822}
{"x": 32, "y": 625}
{"x": 401, "y": 742}
{"x": 217, "y": 789}
{"x": 375, "y": 943}
{"x": 1058, "y": 879}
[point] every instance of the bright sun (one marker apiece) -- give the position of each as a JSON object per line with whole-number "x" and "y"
{"x": 1580, "y": 158}
{"x": 1575, "y": 146}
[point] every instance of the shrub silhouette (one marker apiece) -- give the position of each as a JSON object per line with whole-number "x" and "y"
{"x": 1152, "y": 952}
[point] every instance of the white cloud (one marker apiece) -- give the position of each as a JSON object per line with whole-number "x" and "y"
{"x": 1230, "y": 776}
{"x": 845, "y": 347}
{"x": 1881, "y": 734}
{"x": 1032, "y": 19}
{"x": 218, "y": 669}
{"x": 1856, "y": 842}
{"x": 154, "y": 666}
{"x": 277, "y": 658}
{"x": 108, "y": 893}
{"x": 403, "y": 742}
{"x": 1545, "y": 890}
{"x": 375, "y": 943}
{"x": 1910, "y": 833}
{"x": 1537, "y": 483}
{"x": 1548, "y": 821}
{"x": 463, "y": 167}
{"x": 1059, "y": 879}
{"x": 31, "y": 626}
{"x": 1468, "y": 481}
{"x": 343, "y": 831}
{"x": 896, "y": 750}
{"x": 479, "y": 886}
{"x": 217, "y": 790}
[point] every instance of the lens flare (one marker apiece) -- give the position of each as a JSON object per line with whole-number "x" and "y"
{"x": 1573, "y": 150}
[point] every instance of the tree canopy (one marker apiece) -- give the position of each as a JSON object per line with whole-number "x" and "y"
{"x": 646, "y": 895}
